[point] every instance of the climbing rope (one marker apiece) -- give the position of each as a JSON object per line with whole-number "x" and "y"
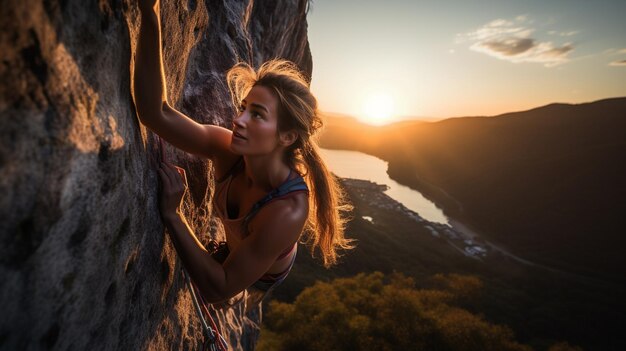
{"x": 214, "y": 339}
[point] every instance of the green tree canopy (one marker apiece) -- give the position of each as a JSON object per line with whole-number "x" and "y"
{"x": 374, "y": 312}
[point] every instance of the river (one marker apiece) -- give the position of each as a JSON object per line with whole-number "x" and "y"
{"x": 357, "y": 165}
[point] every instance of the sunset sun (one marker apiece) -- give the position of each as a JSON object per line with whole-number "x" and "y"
{"x": 378, "y": 109}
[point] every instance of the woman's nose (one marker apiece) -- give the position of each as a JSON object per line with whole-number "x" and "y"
{"x": 239, "y": 120}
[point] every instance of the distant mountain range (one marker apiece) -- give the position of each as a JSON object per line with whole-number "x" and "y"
{"x": 548, "y": 183}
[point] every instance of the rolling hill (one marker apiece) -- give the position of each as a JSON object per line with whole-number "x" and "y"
{"x": 547, "y": 183}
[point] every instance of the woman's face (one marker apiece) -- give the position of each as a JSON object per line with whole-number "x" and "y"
{"x": 255, "y": 129}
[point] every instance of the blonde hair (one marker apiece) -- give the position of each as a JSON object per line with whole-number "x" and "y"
{"x": 298, "y": 111}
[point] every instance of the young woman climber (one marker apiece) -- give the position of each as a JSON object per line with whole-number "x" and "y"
{"x": 272, "y": 186}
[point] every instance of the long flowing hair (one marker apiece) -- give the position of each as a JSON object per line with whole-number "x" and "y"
{"x": 298, "y": 111}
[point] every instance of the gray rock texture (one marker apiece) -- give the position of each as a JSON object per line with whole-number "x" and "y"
{"x": 84, "y": 260}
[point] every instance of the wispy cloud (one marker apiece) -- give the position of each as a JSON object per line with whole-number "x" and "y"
{"x": 513, "y": 40}
{"x": 564, "y": 34}
{"x": 614, "y": 51}
{"x": 618, "y": 63}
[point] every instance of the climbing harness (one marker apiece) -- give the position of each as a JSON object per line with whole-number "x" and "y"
{"x": 214, "y": 339}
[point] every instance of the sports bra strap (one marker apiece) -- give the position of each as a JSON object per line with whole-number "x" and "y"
{"x": 293, "y": 185}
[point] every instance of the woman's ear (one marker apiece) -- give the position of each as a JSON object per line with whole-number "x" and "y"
{"x": 288, "y": 138}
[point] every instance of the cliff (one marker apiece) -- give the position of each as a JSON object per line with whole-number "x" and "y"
{"x": 84, "y": 260}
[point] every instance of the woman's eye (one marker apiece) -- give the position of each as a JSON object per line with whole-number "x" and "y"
{"x": 256, "y": 115}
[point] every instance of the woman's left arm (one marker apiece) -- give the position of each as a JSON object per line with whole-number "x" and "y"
{"x": 196, "y": 259}
{"x": 279, "y": 227}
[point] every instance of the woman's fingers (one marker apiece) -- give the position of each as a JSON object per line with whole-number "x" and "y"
{"x": 146, "y": 5}
{"x": 174, "y": 187}
{"x": 172, "y": 173}
{"x": 183, "y": 176}
{"x": 173, "y": 179}
{"x": 176, "y": 175}
{"x": 164, "y": 178}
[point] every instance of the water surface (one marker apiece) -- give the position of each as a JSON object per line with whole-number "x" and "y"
{"x": 357, "y": 165}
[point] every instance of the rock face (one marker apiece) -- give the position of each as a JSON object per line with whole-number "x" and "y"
{"x": 84, "y": 260}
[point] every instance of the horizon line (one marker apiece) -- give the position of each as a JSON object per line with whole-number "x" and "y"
{"x": 401, "y": 118}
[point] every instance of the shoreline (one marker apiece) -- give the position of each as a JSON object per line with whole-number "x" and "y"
{"x": 457, "y": 234}
{"x": 460, "y": 237}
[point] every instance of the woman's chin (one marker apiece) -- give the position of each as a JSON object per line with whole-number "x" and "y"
{"x": 235, "y": 149}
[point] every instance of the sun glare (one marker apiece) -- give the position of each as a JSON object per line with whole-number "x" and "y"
{"x": 378, "y": 109}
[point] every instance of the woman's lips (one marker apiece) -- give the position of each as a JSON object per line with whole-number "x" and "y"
{"x": 237, "y": 135}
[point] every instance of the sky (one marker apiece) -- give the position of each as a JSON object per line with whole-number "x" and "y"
{"x": 383, "y": 61}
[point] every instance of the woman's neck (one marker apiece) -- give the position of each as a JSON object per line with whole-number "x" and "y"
{"x": 266, "y": 172}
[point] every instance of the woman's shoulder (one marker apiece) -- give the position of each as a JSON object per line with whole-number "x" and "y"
{"x": 282, "y": 222}
{"x": 289, "y": 210}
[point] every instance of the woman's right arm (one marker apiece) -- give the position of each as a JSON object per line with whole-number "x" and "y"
{"x": 150, "y": 94}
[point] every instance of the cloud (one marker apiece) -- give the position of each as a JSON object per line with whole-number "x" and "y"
{"x": 614, "y": 51}
{"x": 618, "y": 63}
{"x": 505, "y": 46}
{"x": 497, "y": 28}
{"x": 512, "y": 40}
{"x": 564, "y": 34}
